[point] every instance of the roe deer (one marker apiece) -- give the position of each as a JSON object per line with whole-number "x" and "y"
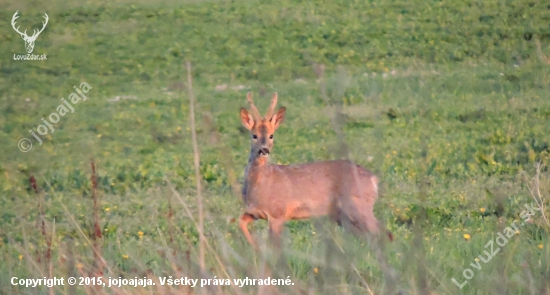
{"x": 341, "y": 189}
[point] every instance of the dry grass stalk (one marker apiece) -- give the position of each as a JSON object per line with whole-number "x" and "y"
{"x": 543, "y": 58}
{"x": 534, "y": 189}
{"x": 196, "y": 158}
{"x": 42, "y": 224}
{"x": 97, "y": 235}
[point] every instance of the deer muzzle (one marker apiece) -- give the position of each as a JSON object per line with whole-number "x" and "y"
{"x": 263, "y": 151}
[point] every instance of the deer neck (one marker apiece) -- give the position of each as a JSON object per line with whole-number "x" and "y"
{"x": 256, "y": 168}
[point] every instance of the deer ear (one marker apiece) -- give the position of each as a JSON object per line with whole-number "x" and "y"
{"x": 247, "y": 119}
{"x": 278, "y": 118}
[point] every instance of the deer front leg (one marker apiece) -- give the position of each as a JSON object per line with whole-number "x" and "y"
{"x": 276, "y": 227}
{"x": 245, "y": 219}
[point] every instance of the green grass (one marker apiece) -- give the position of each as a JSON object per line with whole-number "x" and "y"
{"x": 446, "y": 101}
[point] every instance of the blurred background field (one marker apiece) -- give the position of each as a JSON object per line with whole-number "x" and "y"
{"x": 447, "y": 101}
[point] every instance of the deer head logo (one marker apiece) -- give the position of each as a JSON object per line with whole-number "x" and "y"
{"x": 29, "y": 41}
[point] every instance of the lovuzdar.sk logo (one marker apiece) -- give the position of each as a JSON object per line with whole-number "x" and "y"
{"x": 29, "y": 40}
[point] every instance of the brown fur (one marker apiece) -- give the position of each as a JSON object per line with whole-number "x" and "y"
{"x": 278, "y": 193}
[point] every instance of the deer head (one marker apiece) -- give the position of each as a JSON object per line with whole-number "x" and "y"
{"x": 262, "y": 129}
{"x": 29, "y": 41}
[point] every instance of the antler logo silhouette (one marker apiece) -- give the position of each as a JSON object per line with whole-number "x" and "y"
{"x": 29, "y": 41}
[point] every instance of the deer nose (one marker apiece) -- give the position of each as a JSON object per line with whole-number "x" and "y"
{"x": 264, "y": 151}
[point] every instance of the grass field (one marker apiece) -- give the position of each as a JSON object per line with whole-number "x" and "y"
{"x": 447, "y": 102}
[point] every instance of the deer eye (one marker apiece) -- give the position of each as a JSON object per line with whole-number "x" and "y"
{"x": 255, "y": 136}
{"x": 271, "y": 136}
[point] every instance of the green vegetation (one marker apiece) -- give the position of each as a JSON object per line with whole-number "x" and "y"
{"x": 447, "y": 101}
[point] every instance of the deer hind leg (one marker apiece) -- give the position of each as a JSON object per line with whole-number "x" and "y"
{"x": 373, "y": 225}
{"x": 245, "y": 219}
{"x": 353, "y": 223}
{"x": 358, "y": 218}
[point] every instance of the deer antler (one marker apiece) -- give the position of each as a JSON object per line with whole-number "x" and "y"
{"x": 15, "y": 16}
{"x": 43, "y": 26}
{"x": 271, "y": 106}
{"x": 255, "y": 113}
